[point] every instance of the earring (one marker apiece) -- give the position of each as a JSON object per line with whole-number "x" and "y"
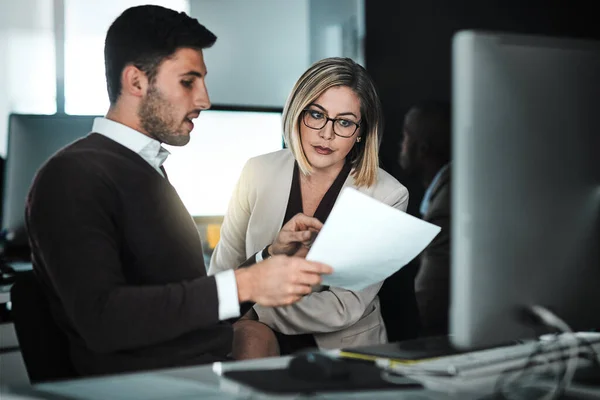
{"x": 358, "y": 139}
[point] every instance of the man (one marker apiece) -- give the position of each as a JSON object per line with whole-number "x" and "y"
{"x": 426, "y": 152}
{"x": 112, "y": 243}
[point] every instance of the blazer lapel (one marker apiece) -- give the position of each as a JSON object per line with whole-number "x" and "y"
{"x": 273, "y": 210}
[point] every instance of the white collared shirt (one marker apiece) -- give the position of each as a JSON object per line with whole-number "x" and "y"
{"x": 427, "y": 196}
{"x": 151, "y": 150}
{"x": 145, "y": 146}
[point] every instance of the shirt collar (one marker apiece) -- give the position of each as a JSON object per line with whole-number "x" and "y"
{"x": 427, "y": 197}
{"x": 146, "y": 147}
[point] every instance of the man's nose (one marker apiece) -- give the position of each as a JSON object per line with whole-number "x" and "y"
{"x": 202, "y": 100}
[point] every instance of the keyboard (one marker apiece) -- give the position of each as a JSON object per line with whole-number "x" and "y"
{"x": 495, "y": 360}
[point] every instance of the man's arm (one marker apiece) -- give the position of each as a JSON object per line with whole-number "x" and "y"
{"x": 72, "y": 223}
{"x": 73, "y": 226}
{"x": 279, "y": 281}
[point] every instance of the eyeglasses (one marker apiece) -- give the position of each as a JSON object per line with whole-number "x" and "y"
{"x": 342, "y": 127}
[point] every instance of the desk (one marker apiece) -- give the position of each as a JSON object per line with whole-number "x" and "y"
{"x": 204, "y": 382}
{"x": 200, "y": 382}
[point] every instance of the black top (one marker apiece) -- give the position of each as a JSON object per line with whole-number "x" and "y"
{"x": 121, "y": 261}
{"x": 289, "y": 344}
{"x": 325, "y": 206}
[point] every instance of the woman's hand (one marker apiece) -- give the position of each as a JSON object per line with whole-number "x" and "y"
{"x": 296, "y": 236}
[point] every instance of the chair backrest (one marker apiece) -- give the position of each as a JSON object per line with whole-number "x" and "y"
{"x": 44, "y": 346}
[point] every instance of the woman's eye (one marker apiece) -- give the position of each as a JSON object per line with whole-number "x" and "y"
{"x": 344, "y": 123}
{"x": 316, "y": 114}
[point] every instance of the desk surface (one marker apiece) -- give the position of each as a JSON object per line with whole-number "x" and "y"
{"x": 206, "y": 382}
{"x": 193, "y": 383}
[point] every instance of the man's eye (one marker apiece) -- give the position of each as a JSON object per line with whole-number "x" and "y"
{"x": 316, "y": 114}
{"x": 187, "y": 84}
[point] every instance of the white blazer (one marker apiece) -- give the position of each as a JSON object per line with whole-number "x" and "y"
{"x": 337, "y": 317}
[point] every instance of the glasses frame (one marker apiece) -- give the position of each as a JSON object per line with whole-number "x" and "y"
{"x": 327, "y": 119}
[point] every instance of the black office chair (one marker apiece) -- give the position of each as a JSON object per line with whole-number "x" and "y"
{"x": 44, "y": 346}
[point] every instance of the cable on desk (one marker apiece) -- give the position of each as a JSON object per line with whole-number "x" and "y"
{"x": 536, "y": 359}
{"x": 559, "y": 352}
{"x": 566, "y": 340}
{"x": 591, "y": 353}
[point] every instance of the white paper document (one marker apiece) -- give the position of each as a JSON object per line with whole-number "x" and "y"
{"x": 365, "y": 241}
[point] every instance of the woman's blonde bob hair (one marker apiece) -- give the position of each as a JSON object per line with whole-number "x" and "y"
{"x": 323, "y": 75}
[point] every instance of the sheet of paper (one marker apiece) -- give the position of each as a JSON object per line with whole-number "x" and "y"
{"x": 365, "y": 241}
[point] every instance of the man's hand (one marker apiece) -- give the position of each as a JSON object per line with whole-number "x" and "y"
{"x": 296, "y": 236}
{"x": 279, "y": 281}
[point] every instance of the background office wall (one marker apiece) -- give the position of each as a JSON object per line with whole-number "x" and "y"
{"x": 337, "y": 28}
{"x": 27, "y": 74}
{"x": 262, "y": 48}
{"x": 408, "y": 50}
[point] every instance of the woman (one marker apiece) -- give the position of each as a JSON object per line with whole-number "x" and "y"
{"x": 332, "y": 123}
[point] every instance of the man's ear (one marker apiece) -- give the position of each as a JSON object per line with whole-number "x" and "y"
{"x": 134, "y": 81}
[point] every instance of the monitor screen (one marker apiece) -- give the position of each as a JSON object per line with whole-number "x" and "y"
{"x": 32, "y": 139}
{"x": 203, "y": 172}
{"x": 526, "y": 184}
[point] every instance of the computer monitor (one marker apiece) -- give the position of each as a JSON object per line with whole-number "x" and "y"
{"x": 32, "y": 139}
{"x": 526, "y": 184}
{"x": 204, "y": 172}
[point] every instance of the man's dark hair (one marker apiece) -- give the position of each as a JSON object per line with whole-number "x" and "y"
{"x": 144, "y": 36}
{"x": 431, "y": 123}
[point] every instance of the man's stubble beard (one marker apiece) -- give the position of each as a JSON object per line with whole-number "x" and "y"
{"x": 156, "y": 118}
